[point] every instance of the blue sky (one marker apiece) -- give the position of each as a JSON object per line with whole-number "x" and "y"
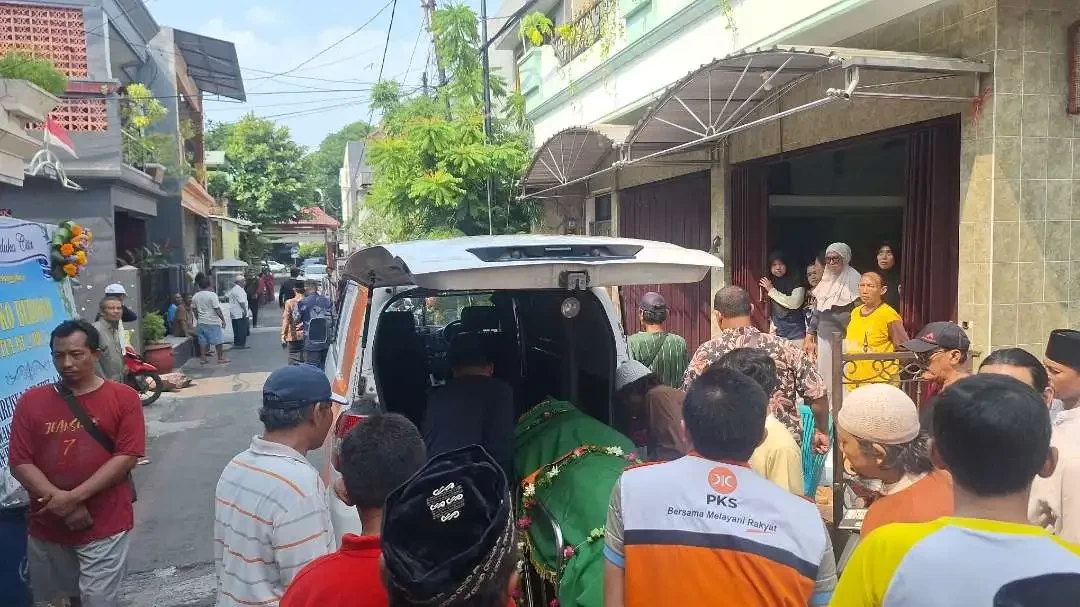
{"x": 274, "y": 36}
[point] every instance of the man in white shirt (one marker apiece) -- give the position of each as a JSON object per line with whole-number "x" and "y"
{"x": 270, "y": 512}
{"x": 238, "y": 310}
{"x": 209, "y": 321}
{"x": 1055, "y": 501}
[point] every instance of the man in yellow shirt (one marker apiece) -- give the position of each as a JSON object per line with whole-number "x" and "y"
{"x": 875, "y": 327}
{"x": 992, "y": 433}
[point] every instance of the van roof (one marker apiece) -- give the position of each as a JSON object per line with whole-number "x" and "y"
{"x": 527, "y": 261}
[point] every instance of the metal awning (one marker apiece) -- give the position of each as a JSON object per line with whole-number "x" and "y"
{"x": 719, "y": 99}
{"x": 573, "y": 153}
{"x": 212, "y": 64}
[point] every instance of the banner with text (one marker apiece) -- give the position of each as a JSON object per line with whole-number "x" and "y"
{"x": 31, "y": 305}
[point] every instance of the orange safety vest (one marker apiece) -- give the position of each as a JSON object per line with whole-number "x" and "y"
{"x": 702, "y": 532}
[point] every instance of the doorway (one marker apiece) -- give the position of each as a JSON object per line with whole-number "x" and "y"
{"x": 853, "y": 195}
{"x": 900, "y": 186}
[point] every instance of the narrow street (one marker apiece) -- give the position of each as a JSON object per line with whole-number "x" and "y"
{"x": 192, "y": 435}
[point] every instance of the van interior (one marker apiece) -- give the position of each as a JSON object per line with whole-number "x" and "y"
{"x": 554, "y": 343}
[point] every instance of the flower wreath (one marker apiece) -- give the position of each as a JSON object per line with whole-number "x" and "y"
{"x": 70, "y": 244}
{"x": 544, "y": 477}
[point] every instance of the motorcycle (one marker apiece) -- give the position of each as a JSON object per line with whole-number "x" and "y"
{"x": 142, "y": 377}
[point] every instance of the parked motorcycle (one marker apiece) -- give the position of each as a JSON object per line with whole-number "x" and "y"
{"x": 143, "y": 377}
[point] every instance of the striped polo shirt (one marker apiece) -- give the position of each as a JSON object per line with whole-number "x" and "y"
{"x": 270, "y": 519}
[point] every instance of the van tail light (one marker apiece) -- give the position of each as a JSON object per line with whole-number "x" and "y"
{"x": 345, "y": 422}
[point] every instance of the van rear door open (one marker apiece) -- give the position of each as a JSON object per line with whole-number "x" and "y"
{"x": 527, "y": 262}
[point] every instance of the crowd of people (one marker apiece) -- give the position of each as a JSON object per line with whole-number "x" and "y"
{"x": 977, "y": 502}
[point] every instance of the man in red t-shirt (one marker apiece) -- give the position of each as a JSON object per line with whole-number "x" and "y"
{"x": 81, "y": 511}
{"x": 377, "y": 455}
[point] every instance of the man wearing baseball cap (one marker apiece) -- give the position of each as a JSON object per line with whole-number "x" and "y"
{"x": 942, "y": 349}
{"x": 1055, "y": 501}
{"x": 664, "y": 353}
{"x": 448, "y": 534}
{"x": 270, "y": 512}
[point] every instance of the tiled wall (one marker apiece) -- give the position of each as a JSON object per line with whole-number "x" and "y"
{"x": 1035, "y": 187}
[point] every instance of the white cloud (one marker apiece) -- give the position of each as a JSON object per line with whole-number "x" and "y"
{"x": 261, "y": 15}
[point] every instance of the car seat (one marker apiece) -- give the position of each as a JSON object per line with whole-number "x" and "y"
{"x": 402, "y": 365}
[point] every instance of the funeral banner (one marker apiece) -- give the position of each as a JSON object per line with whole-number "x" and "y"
{"x": 32, "y": 303}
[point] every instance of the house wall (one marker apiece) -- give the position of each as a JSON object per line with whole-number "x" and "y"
{"x": 1020, "y": 156}
{"x": 45, "y": 201}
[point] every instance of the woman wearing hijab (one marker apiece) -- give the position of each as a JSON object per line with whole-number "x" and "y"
{"x": 836, "y": 296}
{"x": 787, "y": 295}
{"x": 886, "y": 268}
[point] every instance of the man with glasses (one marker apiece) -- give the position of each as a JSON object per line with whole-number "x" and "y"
{"x": 942, "y": 352}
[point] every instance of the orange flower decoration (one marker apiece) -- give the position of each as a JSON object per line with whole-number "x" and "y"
{"x": 80, "y": 258}
{"x": 76, "y": 229}
{"x": 67, "y": 249}
{"x": 70, "y": 269}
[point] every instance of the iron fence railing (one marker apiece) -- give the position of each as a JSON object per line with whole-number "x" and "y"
{"x": 586, "y": 30}
{"x": 600, "y": 228}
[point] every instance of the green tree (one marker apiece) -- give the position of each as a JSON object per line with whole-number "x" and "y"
{"x": 430, "y": 162}
{"x": 268, "y": 171}
{"x": 326, "y": 161}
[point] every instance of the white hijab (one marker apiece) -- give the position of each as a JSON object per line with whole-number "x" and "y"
{"x": 838, "y": 288}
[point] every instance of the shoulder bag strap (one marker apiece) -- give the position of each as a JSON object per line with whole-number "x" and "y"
{"x": 84, "y": 418}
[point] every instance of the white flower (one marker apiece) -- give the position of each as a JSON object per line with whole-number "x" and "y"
{"x": 530, "y": 490}
{"x": 553, "y": 472}
{"x": 614, "y": 451}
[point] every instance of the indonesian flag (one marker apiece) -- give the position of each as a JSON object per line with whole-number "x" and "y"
{"x": 56, "y": 136}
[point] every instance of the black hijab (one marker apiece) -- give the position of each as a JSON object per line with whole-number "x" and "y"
{"x": 890, "y": 277}
{"x": 789, "y": 281}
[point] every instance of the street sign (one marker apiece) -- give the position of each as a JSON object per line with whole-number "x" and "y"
{"x": 295, "y": 252}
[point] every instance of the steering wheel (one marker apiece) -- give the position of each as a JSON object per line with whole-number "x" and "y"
{"x": 451, "y": 329}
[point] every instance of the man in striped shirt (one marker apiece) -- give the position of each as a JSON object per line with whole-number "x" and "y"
{"x": 270, "y": 512}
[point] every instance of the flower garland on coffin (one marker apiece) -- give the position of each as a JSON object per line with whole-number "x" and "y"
{"x": 70, "y": 246}
{"x": 544, "y": 477}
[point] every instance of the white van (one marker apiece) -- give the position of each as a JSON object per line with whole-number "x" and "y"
{"x": 543, "y": 299}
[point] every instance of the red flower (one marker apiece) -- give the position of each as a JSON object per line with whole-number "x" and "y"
{"x": 529, "y": 503}
{"x": 568, "y": 552}
{"x": 524, "y": 522}
{"x": 579, "y": 451}
{"x": 554, "y": 603}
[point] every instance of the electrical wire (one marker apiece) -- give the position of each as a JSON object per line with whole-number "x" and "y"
{"x": 339, "y": 41}
{"x": 419, "y": 34}
{"x": 386, "y": 47}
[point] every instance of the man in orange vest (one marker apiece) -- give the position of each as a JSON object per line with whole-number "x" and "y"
{"x": 705, "y": 527}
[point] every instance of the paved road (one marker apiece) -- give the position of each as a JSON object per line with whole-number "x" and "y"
{"x": 193, "y": 434}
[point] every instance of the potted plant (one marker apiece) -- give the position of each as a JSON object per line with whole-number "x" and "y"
{"x": 155, "y": 350}
{"x": 32, "y": 84}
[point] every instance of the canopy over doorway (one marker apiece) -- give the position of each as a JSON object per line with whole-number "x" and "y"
{"x": 721, "y": 98}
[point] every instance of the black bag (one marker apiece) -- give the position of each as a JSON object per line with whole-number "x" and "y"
{"x": 91, "y": 428}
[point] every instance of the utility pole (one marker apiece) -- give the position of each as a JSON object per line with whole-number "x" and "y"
{"x": 429, "y": 12}
{"x": 487, "y": 102}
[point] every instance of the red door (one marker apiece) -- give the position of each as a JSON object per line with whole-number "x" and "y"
{"x": 676, "y": 211}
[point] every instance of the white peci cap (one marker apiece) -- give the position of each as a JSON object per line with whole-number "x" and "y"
{"x": 115, "y": 289}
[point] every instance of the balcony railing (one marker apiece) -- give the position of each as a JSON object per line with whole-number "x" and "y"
{"x": 587, "y": 29}
{"x": 600, "y": 228}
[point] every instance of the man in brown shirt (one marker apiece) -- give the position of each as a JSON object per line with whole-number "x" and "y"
{"x": 652, "y": 412}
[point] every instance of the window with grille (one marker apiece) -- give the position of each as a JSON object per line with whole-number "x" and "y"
{"x": 1074, "y": 68}
{"x": 53, "y": 32}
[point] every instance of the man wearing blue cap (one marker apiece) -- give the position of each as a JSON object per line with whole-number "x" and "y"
{"x": 270, "y": 512}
